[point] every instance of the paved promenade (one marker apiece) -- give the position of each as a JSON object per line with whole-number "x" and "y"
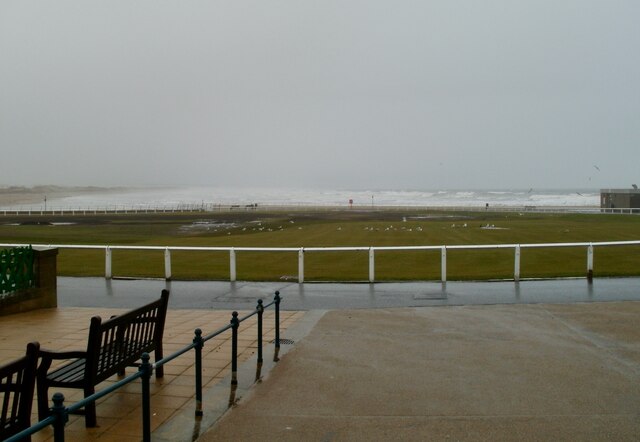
{"x": 172, "y": 397}
{"x": 505, "y": 372}
{"x": 538, "y": 360}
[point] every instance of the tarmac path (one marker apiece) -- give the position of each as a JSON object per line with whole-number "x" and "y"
{"x": 503, "y": 372}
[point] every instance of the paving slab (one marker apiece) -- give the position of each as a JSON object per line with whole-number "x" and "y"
{"x": 172, "y": 397}
{"x": 501, "y": 372}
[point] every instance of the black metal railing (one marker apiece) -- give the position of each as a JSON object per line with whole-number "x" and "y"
{"x": 60, "y": 413}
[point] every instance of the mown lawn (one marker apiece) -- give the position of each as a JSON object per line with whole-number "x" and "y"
{"x": 330, "y": 229}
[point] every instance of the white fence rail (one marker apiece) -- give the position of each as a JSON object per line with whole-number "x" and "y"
{"x": 301, "y": 251}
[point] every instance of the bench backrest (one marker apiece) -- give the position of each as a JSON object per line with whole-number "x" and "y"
{"x": 121, "y": 340}
{"x": 17, "y": 382}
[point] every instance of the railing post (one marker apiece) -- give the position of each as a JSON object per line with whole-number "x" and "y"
{"x": 301, "y": 265}
{"x": 199, "y": 342}
{"x": 276, "y": 349}
{"x": 260, "y": 310}
{"x": 516, "y": 266}
{"x": 372, "y": 265}
{"x": 443, "y": 264}
{"x": 234, "y": 357}
{"x": 590, "y": 263}
{"x": 232, "y": 264}
{"x": 62, "y": 416}
{"x": 107, "y": 262}
{"x": 146, "y": 368}
{"x": 167, "y": 264}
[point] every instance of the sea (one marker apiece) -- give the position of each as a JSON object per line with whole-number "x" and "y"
{"x": 170, "y": 197}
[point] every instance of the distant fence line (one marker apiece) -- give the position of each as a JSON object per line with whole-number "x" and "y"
{"x": 301, "y": 251}
{"x": 211, "y": 207}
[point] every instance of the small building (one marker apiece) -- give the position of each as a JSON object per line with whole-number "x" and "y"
{"x": 620, "y": 198}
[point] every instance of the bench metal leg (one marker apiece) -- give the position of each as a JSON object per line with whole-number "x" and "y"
{"x": 43, "y": 401}
{"x": 90, "y": 419}
{"x": 159, "y": 369}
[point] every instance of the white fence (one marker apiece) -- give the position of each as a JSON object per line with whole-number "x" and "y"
{"x": 301, "y": 251}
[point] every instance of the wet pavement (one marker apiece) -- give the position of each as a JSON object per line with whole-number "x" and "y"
{"x": 172, "y": 396}
{"x": 363, "y": 363}
{"x": 224, "y": 295}
{"x": 544, "y": 372}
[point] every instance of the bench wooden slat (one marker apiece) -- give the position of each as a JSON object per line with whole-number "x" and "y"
{"x": 73, "y": 372}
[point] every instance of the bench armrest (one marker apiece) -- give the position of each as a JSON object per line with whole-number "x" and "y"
{"x": 74, "y": 354}
{"x": 49, "y": 356}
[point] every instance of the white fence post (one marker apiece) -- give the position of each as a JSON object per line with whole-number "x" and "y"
{"x": 443, "y": 263}
{"x": 232, "y": 264}
{"x": 107, "y": 262}
{"x": 301, "y": 265}
{"x": 372, "y": 265}
{"x": 516, "y": 265}
{"x": 590, "y": 262}
{"x": 167, "y": 264}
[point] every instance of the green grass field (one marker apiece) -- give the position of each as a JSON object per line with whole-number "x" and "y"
{"x": 334, "y": 228}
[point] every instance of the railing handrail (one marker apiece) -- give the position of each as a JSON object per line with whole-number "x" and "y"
{"x": 371, "y": 250}
{"x": 146, "y": 369}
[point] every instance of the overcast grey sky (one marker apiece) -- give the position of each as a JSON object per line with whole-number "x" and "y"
{"x": 333, "y": 94}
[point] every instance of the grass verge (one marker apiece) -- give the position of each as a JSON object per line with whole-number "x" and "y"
{"x": 334, "y": 229}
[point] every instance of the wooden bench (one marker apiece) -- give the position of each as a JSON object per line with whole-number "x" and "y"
{"x": 17, "y": 382}
{"x": 112, "y": 346}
